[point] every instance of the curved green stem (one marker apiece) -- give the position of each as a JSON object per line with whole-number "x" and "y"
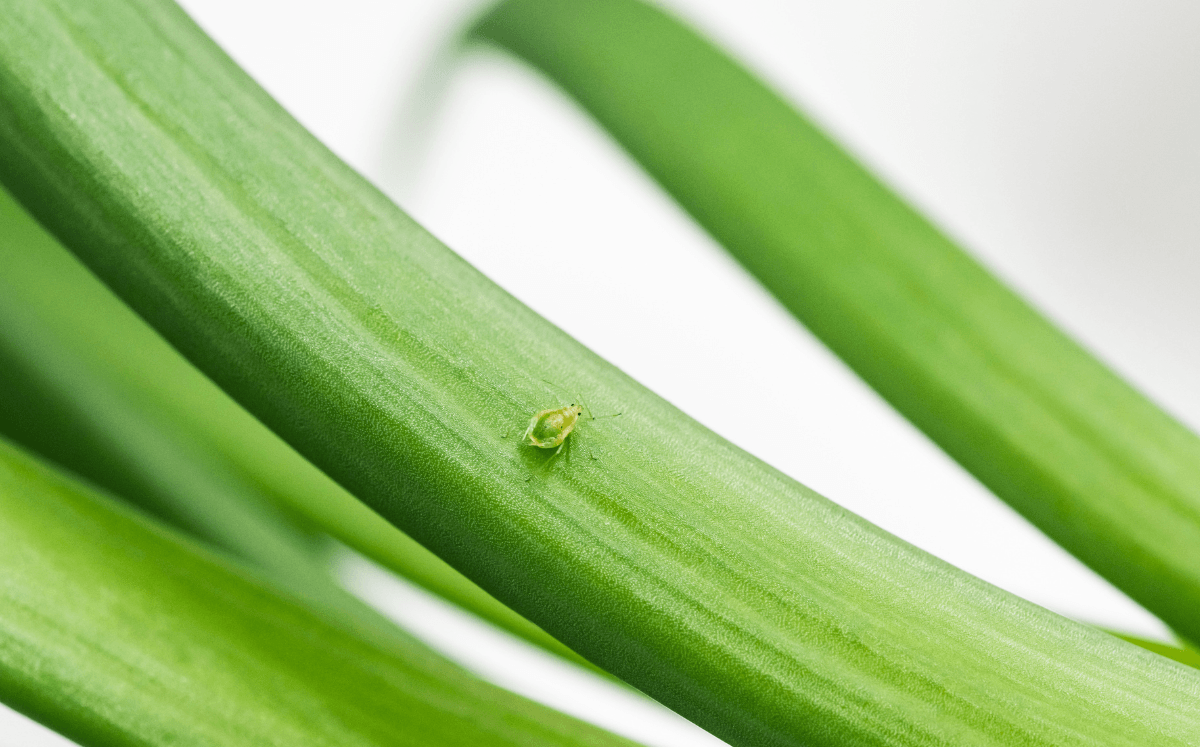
{"x": 713, "y": 583}
{"x": 116, "y": 632}
{"x": 1183, "y": 654}
{"x": 88, "y": 384}
{"x": 1048, "y": 428}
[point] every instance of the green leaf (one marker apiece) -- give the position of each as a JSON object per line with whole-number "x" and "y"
{"x": 722, "y": 588}
{"x": 116, "y": 632}
{"x": 88, "y": 384}
{"x": 1048, "y": 428}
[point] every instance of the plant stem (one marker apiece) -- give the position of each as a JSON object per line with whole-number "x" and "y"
{"x": 118, "y": 633}
{"x": 1048, "y": 428}
{"x": 718, "y": 586}
{"x": 147, "y": 426}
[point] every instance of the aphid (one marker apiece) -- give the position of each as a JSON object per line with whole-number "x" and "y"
{"x": 549, "y": 428}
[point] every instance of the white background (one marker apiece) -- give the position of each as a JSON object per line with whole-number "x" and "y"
{"x": 1058, "y": 140}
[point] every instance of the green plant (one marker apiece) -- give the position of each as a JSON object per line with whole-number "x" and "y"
{"x": 1052, "y": 431}
{"x": 698, "y": 574}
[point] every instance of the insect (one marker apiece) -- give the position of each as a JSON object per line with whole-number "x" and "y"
{"x": 549, "y": 428}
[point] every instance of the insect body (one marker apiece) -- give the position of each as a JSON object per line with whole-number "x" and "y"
{"x": 549, "y": 428}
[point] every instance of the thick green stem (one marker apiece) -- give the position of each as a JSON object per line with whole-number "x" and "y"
{"x": 1047, "y": 427}
{"x": 118, "y": 633}
{"x": 722, "y": 588}
{"x": 88, "y": 384}
{"x": 1183, "y": 654}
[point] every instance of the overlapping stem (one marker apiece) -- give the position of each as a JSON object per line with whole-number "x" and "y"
{"x": 724, "y": 589}
{"x": 1051, "y": 430}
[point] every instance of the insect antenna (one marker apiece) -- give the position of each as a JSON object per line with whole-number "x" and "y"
{"x": 558, "y": 388}
{"x": 582, "y": 403}
{"x": 578, "y": 398}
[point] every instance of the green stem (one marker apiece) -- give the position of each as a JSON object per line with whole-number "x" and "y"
{"x": 1042, "y": 423}
{"x": 117, "y": 633}
{"x": 1183, "y": 654}
{"x": 146, "y": 425}
{"x": 710, "y": 581}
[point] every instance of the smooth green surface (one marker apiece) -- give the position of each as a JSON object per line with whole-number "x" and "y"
{"x": 114, "y": 631}
{"x": 1042, "y": 423}
{"x": 88, "y": 384}
{"x": 724, "y": 589}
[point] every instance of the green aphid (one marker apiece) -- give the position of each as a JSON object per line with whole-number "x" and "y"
{"x": 549, "y": 428}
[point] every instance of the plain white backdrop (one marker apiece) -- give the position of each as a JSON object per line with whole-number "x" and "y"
{"x": 1059, "y": 140}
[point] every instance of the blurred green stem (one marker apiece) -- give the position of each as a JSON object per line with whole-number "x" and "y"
{"x": 117, "y": 633}
{"x": 1048, "y": 428}
{"x": 718, "y": 586}
{"x": 87, "y": 383}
